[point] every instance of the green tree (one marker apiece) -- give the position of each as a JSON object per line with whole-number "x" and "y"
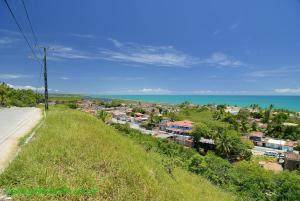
{"x": 224, "y": 144}
{"x": 268, "y": 114}
{"x": 4, "y": 91}
{"x": 172, "y": 116}
{"x": 200, "y": 130}
{"x": 104, "y": 116}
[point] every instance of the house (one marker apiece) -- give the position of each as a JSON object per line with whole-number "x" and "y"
{"x": 232, "y": 110}
{"x": 119, "y": 115}
{"x": 291, "y": 161}
{"x": 207, "y": 144}
{"x": 164, "y": 123}
{"x": 180, "y": 127}
{"x": 256, "y": 137}
{"x": 283, "y": 145}
{"x": 184, "y": 140}
{"x": 161, "y": 134}
{"x": 138, "y": 114}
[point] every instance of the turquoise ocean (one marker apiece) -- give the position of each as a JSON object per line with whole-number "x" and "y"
{"x": 283, "y": 102}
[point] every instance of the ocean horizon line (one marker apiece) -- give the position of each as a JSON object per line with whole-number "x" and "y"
{"x": 291, "y": 103}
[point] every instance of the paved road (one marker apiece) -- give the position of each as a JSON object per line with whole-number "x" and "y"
{"x": 15, "y": 123}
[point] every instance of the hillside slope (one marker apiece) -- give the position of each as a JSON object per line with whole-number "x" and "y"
{"x": 75, "y": 150}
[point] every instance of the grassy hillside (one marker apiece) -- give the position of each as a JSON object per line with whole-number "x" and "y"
{"x": 75, "y": 150}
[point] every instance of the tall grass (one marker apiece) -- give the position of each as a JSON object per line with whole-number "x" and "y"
{"x": 75, "y": 150}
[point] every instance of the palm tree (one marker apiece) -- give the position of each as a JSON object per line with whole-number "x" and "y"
{"x": 104, "y": 116}
{"x": 224, "y": 144}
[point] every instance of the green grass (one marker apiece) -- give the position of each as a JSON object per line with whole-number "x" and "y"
{"x": 75, "y": 150}
{"x": 65, "y": 97}
{"x": 198, "y": 116}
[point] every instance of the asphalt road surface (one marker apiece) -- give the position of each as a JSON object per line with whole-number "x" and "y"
{"x": 15, "y": 123}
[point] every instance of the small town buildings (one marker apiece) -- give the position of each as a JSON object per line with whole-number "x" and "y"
{"x": 90, "y": 110}
{"x": 138, "y": 114}
{"x": 119, "y": 115}
{"x": 161, "y": 134}
{"x": 164, "y": 124}
{"x": 180, "y": 127}
{"x": 207, "y": 144}
{"x": 256, "y": 138}
{"x": 183, "y": 140}
{"x": 232, "y": 110}
{"x": 283, "y": 145}
{"x": 291, "y": 161}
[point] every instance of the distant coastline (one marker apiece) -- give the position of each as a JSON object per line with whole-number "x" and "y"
{"x": 291, "y": 103}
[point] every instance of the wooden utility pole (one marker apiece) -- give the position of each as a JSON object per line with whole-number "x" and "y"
{"x": 45, "y": 78}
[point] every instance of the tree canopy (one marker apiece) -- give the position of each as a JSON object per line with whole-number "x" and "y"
{"x": 18, "y": 97}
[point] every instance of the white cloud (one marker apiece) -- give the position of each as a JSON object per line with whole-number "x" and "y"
{"x": 234, "y": 26}
{"x": 161, "y": 91}
{"x": 6, "y": 40}
{"x": 59, "y": 52}
{"x": 124, "y": 78}
{"x": 8, "y": 37}
{"x": 277, "y": 72}
{"x": 90, "y": 36}
{"x": 13, "y": 76}
{"x": 9, "y": 32}
{"x": 64, "y": 78}
{"x": 135, "y": 54}
{"x": 149, "y": 91}
{"x": 146, "y": 54}
{"x": 26, "y": 87}
{"x": 156, "y": 90}
{"x": 221, "y": 59}
{"x": 216, "y": 32}
{"x": 288, "y": 91}
{"x": 116, "y": 42}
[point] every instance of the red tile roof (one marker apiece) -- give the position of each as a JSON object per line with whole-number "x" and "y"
{"x": 184, "y": 123}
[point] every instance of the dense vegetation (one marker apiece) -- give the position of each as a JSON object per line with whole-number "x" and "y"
{"x": 75, "y": 150}
{"x": 220, "y": 120}
{"x": 245, "y": 178}
{"x": 228, "y": 142}
{"x": 18, "y": 97}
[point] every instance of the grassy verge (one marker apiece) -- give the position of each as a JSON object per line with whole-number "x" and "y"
{"x": 65, "y": 97}
{"x": 74, "y": 150}
{"x": 32, "y": 132}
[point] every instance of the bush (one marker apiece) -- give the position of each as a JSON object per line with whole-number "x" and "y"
{"x": 72, "y": 105}
{"x": 18, "y": 97}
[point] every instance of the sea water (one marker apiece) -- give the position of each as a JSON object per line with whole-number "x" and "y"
{"x": 283, "y": 102}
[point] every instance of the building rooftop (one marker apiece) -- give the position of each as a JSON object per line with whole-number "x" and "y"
{"x": 273, "y": 141}
{"x": 184, "y": 123}
{"x": 138, "y": 114}
{"x": 256, "y": 134}
{"x": 292, "y": 156}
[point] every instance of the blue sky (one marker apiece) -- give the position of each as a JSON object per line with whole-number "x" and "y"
{"x": 156, "y": 47}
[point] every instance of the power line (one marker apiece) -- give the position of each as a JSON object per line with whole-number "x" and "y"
{"x": 31, "y": 27}
{"x": 33, "y": 34}
{"x": 21, "y": 31}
